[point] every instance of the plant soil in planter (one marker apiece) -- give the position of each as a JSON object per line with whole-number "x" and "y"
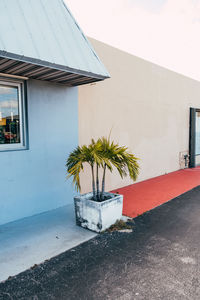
{"x": 98, "y": 216}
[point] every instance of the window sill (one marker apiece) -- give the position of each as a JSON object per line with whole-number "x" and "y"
{"x": 6, "y": 149}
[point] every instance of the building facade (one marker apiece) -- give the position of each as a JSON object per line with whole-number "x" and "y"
{"x": 44, "y": 56}
{"x": 147, "y": 108}
{"x": 53, "y": 97}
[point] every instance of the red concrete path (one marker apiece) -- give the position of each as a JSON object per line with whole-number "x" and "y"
{"x": 145, "y": 195}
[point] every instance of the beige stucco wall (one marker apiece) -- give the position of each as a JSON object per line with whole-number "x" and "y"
{"x": 147, "y": 108}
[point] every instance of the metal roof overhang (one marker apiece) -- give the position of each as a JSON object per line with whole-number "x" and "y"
{"x": 14, "y": 65}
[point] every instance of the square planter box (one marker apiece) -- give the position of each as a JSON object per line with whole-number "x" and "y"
{"x": 98, "y": 216}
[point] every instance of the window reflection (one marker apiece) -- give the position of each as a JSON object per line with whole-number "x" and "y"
{"x": 9, "y": 115}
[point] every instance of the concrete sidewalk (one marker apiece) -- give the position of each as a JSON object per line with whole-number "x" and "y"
{"x": 160, "y": 259}
{"x": 32, "y": 240}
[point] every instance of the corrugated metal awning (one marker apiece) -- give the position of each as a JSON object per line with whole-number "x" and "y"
{"x": 40, "y": 39}
{"x": 39, "y": 72}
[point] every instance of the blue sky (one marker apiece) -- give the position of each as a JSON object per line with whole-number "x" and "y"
{"x": 165, "y": 32}
{"x": 8, "y": 101}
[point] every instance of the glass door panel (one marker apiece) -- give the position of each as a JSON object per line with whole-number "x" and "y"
{"x": 197, "y": 139}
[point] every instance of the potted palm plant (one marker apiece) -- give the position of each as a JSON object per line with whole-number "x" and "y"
{"x": 98, "y": 210}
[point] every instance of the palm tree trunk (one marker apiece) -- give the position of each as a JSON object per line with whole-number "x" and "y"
{"x": 97, "y": 183}
{"x": 103, "y": 182}
{"x": 93, "y": 183}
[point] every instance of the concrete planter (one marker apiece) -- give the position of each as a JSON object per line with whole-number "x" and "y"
{"x": 98, "y": 216}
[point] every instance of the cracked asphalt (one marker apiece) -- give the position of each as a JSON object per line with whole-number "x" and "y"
{"x": 159, "y": 259}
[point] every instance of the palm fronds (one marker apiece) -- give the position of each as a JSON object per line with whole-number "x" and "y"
{"x": 103, "y": 154}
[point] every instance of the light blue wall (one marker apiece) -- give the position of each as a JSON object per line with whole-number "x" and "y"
{"x": 33, "y": 181}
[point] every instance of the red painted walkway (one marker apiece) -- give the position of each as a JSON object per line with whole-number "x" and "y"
{"x": 143, "y": 196}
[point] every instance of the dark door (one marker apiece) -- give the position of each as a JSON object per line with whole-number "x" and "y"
{"x": 194, "y": 143}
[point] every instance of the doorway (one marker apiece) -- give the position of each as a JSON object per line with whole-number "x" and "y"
{"x": 194, "y": 141}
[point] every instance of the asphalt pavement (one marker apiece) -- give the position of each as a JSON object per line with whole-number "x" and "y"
{"x": 159, "y": 259}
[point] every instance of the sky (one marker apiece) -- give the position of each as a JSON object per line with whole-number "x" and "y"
{"x": 166, "y": 32}
{"x": 8, "y": 101}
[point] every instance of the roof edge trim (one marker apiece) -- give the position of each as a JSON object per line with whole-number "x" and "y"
{"x": 85, "y": 37}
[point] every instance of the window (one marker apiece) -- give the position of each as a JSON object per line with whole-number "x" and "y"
{"x": 12, "y": 116}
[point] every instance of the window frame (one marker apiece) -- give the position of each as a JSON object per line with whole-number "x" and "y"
{"x": 22, "y": 115}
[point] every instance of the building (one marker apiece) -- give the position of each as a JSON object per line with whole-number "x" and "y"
{"x": 53, "y": 96}
{"x": 152, "y": 110}
{"x": 44, "y": 56}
